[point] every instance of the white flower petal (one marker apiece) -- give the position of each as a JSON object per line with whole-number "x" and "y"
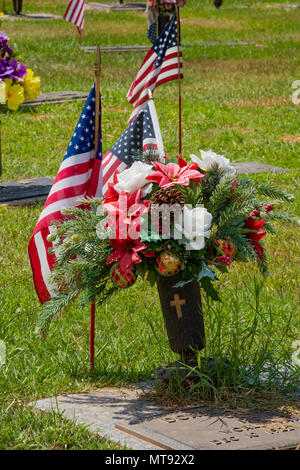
{"x": 209, "y": 158}
{"x": 134, "y": 177}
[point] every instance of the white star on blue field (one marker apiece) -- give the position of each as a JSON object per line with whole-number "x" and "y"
{"x": 83, "y": 137}
{"x": 132, "y": 141}
{"x": 166, "y": 40}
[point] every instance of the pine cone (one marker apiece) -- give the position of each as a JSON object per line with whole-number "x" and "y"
{"x": 168, "y": 196}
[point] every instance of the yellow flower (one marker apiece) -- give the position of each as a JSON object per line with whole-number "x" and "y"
{"x": 31, "y": 85}
{"x": 14, "y": 94}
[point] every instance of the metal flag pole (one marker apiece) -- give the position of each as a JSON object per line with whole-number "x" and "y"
{"x": 160, "y": 145}
{"x": 97, "y": 129}
{"x": 179, "y": 81}
{"x": 80, "y": 35}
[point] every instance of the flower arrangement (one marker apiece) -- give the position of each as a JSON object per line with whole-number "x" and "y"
{"x": 20, "y": 82}
{"x": 167, "y": 4}
{"x": 161, "y": 218}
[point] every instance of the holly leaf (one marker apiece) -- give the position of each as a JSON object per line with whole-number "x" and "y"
{"x": 206, "y": 272}
{"x": 182, "y": 283}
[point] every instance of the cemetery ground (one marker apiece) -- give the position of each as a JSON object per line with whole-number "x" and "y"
{"x": 237, "y": 102}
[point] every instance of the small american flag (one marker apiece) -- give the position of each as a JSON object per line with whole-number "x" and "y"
{"x": 71, "y": 183}
{"x": 142, "y": 133}
{"x": 75, "y": 13}
{"x": 81, "y": 175}
{"x": 159, "y": 66}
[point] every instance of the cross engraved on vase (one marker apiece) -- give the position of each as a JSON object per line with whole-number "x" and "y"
{"x": 177, "y": 302}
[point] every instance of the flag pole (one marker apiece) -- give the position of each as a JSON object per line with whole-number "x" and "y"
{"x": 97, "y": 70}
{"x": 179, "y": 82}
{"x": 80, "y": 35}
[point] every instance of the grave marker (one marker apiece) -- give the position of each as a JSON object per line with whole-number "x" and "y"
{"x": 56, "y": 98}
{"x": 37, "y": 189}
{"x": 91, "y": 49}
{"x": 116, "y": 6}
{"x": 120, "y": 415}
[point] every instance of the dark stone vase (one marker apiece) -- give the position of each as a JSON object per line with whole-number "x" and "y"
{"x": 18, "y": 6}
{"x": 183, "y": 316}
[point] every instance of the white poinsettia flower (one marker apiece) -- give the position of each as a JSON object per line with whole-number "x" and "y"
{"x": 134, "y": 177}
{"x": 209, "y": 158}
{"x": 194, "y": 224}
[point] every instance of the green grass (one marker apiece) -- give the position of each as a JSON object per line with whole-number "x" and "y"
{"x": 236, "y": 101}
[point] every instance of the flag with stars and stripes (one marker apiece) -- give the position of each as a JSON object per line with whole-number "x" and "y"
{"x": 142, "y": 134}
{"x": 159, "y": 66}
{"x": 75, "y": 13}
{"x": 72, "y": 182}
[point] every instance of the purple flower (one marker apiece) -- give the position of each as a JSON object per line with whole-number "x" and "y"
{"x": 5, "y": 49}
{"x": 3, "y": 37}
{"x": 5, "y": 69}
{"x": 19, "y": 70}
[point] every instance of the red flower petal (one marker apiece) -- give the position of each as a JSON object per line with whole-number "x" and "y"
{"x": 258, "y": 248}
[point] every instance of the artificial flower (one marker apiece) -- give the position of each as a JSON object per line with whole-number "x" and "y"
{"x": 111, "y": 194}
{"x": 256, "y": 234}
{"x": 173, "y": 174}
{"x": 3, "y": 37}
{"x": 19, "y": 70}
{"x": 127, "y": 252}
{"x": 168, "y": 3}
{"x": 135, "y": 177}
{"x": 14, "y": 94}
{"x": 210, "y": 158}
{"x": 194, "y": 224}
{"x": 5, "y": 49}
{"x": 32, "y": 85}
{"x": 126, "y": 213}
{"x": 5, "y": 69}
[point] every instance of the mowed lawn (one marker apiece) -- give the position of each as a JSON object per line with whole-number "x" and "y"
{"x": 237, "y": 100}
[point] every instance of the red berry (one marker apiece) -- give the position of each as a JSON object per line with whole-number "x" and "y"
{"x": 256, "y": 213}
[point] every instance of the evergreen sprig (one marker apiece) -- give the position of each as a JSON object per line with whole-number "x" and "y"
{"x": 81, "y": 255}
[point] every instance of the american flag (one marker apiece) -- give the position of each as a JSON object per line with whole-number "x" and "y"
{"x": 71, "y": 183}
{"x": 75, "y": 13}
{"x": 159, "y": 66}
{"x": 81, "y": 174}
{"x": 142, "y": 133}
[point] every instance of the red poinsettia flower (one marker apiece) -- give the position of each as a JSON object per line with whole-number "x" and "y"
{"x": 126, "y": 212}
{"x": 112, "y": 194}
{"x": 127, "y": 251}
{"x": 128, "y": 205}
{"x": 256, "y": 234}
{"x": 174, "y": 173}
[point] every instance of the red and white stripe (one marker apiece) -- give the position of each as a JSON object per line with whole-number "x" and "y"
{"x": 104, "y": 173}
{"x": 75, "y": 13}
{"x": 150, "y": 77}
{"x": 71, "y": 183}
